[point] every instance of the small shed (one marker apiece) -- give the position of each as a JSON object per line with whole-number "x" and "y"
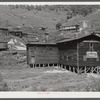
{"x": 4, "y": 31}
{"x": 42, "y": 54}
{"x": 17, "y": 33}
{"x": 80, "y": 54}
{"x": 3, "y": 42}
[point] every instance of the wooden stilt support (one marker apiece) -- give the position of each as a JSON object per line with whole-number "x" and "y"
{"x": 58, "y": 65}
{"x": 66, "y": 67}
{"x": 92, "y": 69}
{"x": 73, "y": 69}
{"x": 49, "y": 65}
{"x": 85, "y": 70}
{"x": 30, "y": 65}
{"x": 53, "y": 65}
{"x": 82, "y": 69}
{"x": 78, "y": 70}
{"x": 69, "y": 68}
{"x": 97, "y": 70}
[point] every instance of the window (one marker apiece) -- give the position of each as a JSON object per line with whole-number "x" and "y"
{"x": 91, "y": 46}
{"x": 81, "y": 44}
{"x": 32, "y": 59}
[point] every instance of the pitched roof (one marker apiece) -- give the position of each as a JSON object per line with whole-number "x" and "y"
{"x": 76, "y": 38}
{"x": 3, "y": 28}
{"x": 41, "y": 43}
{"x": 15, "y": 30}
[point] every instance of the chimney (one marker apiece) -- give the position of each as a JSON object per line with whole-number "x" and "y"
{"x": 46, "y": 36}
{"x": 85, "y": 24}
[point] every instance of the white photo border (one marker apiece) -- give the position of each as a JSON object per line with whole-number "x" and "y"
{"x": 50, "y": 94}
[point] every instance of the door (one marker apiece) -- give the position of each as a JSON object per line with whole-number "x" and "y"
{"x": 32, "y": 59}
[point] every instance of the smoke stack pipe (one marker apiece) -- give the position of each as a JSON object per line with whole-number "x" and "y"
{"x": 46, "y": 36}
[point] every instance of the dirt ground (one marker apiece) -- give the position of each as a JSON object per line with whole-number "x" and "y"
{"x": 23, "y": 78}
{"x": 18, "y": 76}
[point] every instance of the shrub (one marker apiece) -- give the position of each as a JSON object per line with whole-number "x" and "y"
{"x": 58, "y": 25}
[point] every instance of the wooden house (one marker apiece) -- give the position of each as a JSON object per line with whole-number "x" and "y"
{"x": 70, "y": 28}
{"x": 17, "y": 33}
{"x": 4, "y": 31}
{"x": 3, "y": 43}
{"x": 80, "y": 54}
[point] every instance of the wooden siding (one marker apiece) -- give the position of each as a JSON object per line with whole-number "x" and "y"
{"x": 3, "y": 46}
{"x": 43, "y": 54}
{"x": 68, "y": 52}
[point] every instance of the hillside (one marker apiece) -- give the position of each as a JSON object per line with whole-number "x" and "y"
{"x": 30, "y": 18}
{"x": 22, "y": 17}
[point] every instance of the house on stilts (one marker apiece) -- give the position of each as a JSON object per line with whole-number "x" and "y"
{"x": 80, "y": 54}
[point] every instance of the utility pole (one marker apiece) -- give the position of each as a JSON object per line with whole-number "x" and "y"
{"x": 78, "y": 57}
